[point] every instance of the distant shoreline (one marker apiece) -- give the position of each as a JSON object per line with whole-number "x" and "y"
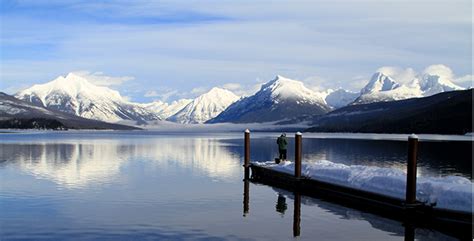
{"x": 256, "y": 134}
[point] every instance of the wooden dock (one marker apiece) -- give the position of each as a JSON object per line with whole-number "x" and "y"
{"x": 409, "y": 211}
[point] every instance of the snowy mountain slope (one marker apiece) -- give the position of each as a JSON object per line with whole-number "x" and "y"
{"x": 382, "y": 88}
{"x": 378, "y": 83}
{"x": 165, "y": 110}
{"x": 16, "y": 113}
{"x": 278, "y": 99}
{"x": 340, "y": 98}
{"x": 433, "y": 84}
{"x": 76, "y": 95}
{"x": 205, "y": 107}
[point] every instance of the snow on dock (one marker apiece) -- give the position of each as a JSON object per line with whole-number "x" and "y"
{"x": 450, "y": 192}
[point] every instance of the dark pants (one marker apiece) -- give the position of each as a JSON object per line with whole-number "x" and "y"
{"x": 282, "y": 154}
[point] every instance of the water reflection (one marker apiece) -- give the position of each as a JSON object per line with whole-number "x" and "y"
{"x": 406, "y": 230}
{"x": 296, "y": 214}
{"x": 246, "y": 197}
{"x": 95, "y": 162}
{"x": 281, "y": 206}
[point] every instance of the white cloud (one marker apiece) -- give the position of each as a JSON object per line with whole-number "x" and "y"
{"x": 465, "y": 78}
{"x": 443, "y": 71}
{"x": 294, "y": 39}
{"x": 358, "y": 82}
{"x": 243, "y": 90}
{"x": 165, "y": 96}
{"x": 151, "y": 93}
{"x": 318, "y": 83}
{"x": 198, "y": 90}
{"x": 465, "y": 81}
{"x": 99, "y": 78}
{"x": 232, "y": 86}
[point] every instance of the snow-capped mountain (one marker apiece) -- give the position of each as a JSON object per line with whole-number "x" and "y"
{"x": 15, "y": 113}
{"x": 433, "y": 84}
{"x": 165, "y": 110}
{"x": 378, "y": 83}
{"x": 76, "y": 95}
{"x": 340, "y": 98}
{"x": 278, "y": 99}
{"x": 443, "y": 113}
{"x": 383, "y": 88}
{"x": 205, "y": 107}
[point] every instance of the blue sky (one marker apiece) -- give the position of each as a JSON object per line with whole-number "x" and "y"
{"x": 174, "y": 49}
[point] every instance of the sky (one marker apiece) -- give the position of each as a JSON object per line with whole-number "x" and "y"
{"x": 167, "y": 50}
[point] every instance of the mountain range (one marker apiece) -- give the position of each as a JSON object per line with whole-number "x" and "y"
{"x": 279, "y": 99}
{"x": 383, "y": 87}
{"x": 18, "y": 114}
{"x": 75, "y": 95}
{"x": 444, "y": 113}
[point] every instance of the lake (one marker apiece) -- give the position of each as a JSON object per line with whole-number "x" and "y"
{"x": 146, "y": 185}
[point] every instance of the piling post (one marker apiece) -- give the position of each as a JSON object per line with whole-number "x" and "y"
{"x": 247, "y": 154}
{"x": 411, "y": 169}
{"x": 298, "y": 150}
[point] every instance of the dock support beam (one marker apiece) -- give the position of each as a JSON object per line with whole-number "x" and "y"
{"x": 298, "y": 150}
{"x": 247, "y": 154}
{"x": 411, "y": 169}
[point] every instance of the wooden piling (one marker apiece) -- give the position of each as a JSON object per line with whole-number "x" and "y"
{"x": 298, "y": 151}
{"x": 247, "y": 153}
{"x": 411, "y": 169}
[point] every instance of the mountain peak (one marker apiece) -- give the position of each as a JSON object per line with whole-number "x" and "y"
{"x": 278, "y": 99}
{"x": 205, "y": 106}
{"x": 278, "y": 77}
{"x": 278, "y": 80}
{"x": 285, "y": 88}
{"x": 217, "y": 90}
{"x": 433, "y": 83}
{"x": 217, "y": 93}
{"x": 380, "y": 82}
{"x": 72, "y": 75}
{"x": 74, "y": 94}
{"x": 72, "y": 83}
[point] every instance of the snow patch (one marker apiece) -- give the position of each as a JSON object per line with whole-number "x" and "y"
{"x": 451, "y": 192}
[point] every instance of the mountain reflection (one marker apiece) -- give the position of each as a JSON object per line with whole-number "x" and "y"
{"x": 80, "y": 163}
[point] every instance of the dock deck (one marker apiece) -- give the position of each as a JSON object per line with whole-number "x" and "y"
{"x": 454, "y": 222}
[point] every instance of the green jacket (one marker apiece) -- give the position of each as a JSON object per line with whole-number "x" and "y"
{"x": 282, "y": 142}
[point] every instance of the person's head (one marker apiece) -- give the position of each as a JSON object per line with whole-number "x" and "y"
{"x": 283, "y": 134}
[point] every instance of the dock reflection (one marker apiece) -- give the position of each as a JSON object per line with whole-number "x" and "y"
{"x": 280, "y": 207}
{"x": 397, "y": 228}
{"x": 296, "y": 214}
{"x": 246, "y": 197}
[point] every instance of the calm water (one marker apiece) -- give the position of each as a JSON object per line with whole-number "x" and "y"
{"x": 148, "y": 186}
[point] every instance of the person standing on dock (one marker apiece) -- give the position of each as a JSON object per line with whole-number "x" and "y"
{"x": 282, "y": 143}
